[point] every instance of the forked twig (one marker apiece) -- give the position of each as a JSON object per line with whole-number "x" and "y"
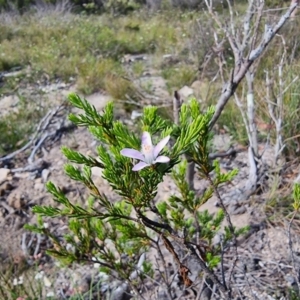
{"x": 243, "y": 64}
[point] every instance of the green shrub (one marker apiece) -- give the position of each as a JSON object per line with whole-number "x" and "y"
{"x": 124, "y": 226}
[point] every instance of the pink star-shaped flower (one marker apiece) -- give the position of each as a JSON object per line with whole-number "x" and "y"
{"x": 149, "y": 154}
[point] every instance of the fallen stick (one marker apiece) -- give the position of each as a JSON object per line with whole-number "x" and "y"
{"x": 42, "y": 126}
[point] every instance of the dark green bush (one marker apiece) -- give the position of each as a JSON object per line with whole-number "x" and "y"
{"x": 125, "y": 6}
{"x": 113, "y": 6}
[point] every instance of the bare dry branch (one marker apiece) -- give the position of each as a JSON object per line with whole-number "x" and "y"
{"x": 41, "y": 128}
{"x": 242, "y": 65}
{"x": 251, "y": 113}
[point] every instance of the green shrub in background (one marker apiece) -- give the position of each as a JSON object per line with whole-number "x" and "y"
{"x": 113, "y": 6}
{"x": 124, "y": 6}
{"x": 121, "y": 6}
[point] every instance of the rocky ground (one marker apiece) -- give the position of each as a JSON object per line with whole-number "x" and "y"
{"x": 264, "y": 269}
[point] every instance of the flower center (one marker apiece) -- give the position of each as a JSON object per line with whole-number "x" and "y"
{"x": 147, "y": 148}
{"x": 148, "y": 153}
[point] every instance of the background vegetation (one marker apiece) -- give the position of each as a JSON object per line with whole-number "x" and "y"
{"x": 85, "y": 43}
{"x": 50, "y": 43}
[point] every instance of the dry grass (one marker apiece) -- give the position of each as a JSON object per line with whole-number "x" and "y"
{"x": 64, "y": 46}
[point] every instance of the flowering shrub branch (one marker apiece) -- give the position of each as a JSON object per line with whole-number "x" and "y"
{"x": 138, "y": 221}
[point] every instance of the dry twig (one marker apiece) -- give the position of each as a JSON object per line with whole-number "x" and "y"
{"x": 39, "y": 136}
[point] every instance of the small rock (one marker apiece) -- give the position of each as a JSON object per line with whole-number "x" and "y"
{"x": 47, "y": 282}
{"x": 121, "y": 292}
{"x": 7, "y": 103}
{"x": 21, "y": 175}
{"x": 197, "y": 87}
{"x": 99, "y": 100}
{"x": 185, "y": 93}
{"x": 135, "y": 114}
{"x": 217, "y": 239}
{"x": 45, "y": 175}
{"x": 38, "y": 186}
{"x": 236, "y": 210}
{"x": 4, "y": 174}
{"x": 196, "y": 84}
{"x": 128, "y": 58}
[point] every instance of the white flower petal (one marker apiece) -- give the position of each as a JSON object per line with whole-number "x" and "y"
{"x": 146, "y": 139}
{"x": 162, "y": 159}
{"x": 132, "y": 153}
{"x": 147, "y": 148}
{"x": 141, "y": 165}
{"x": 160, "y": 146}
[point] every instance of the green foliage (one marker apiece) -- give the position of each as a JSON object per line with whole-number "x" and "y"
{"x": 202, "y": 224}
{"x": 232, "y": 122}
{"x": 88, "y": 48}
{"x": 112, "y": 6}
{"x": 291, "y": 128}
{"x": 189, "y": 200}
{"x": 296, "y": 196}
{"x": 179, "y": 76}
{"x": 17, "y": 281}
{"x": 120, "y": 231}
{"x": 277, "y": 3}
{"x": 122, "y": 6}
{"x": 293, "y": 294}
{"x": 18, "y": 4}
{"x": 95, "y": 62}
